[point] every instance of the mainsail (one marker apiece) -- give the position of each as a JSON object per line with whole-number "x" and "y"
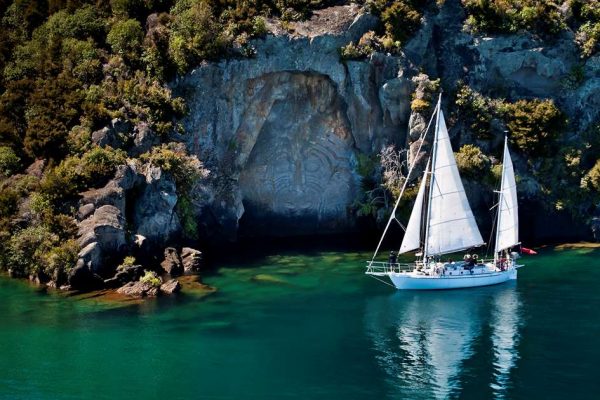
{"x": 507, "y": 234}
{"x": 450, "y": 223}
{"x": 412, "y": 235}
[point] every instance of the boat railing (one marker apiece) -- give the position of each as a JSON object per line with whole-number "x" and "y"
{"x": 382, "y": 267}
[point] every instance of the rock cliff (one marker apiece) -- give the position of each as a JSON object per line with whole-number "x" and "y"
{"x": 281, "y": 131}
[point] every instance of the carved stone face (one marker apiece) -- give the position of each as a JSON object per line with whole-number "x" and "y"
{"x": 298, "y": 175}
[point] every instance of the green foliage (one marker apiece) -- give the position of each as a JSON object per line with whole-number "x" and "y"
{"x": 29, "y": 248}
{"x": 471, "y": 161}
{"x": 185, "y": 211}
{"x": 151, "y": 278}
{"x": 591, "y": 180}
{"x": 8, "y": 202}
{"x": 195, "y": 34}
{"x": 534, "y": 125}
{"x": 402, "y": 19}
{"x": 128, "y": 261}
{"x": 185, "y": 169}
{"x": 588, "y": 34}
{"x": 510, "y": 16}
{"x": 75, "y": 173}
{"x": 425, "y": 93}
{"x": 9, "y": 161}
{"x": 53, "y": 107}
{"x": 259, "y": 27}
{"x": 475, "y": 110}
{"x": 353, "y": 52}
{"x": 125, "y": 39}
{"x": 61, "y": 258}
{"x": 368, "y": 44}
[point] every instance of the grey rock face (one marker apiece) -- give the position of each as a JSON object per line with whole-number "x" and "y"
{"x": 154, "y": 211}
{"x": 143, "y": 139}
{"x": 103, "y": 213}
{"x": 280, "y": 131}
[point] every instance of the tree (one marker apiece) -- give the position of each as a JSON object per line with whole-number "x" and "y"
{"x": 125, "y": 38}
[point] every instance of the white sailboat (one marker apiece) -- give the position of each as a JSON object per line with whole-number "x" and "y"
{"x": 442, "y": 222}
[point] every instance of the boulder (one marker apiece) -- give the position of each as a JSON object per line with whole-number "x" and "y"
{"x": 105, "y": 228}
{"x": 123, "y": 276}
{"x": 170, "y": 287}
{"x": 191, "y": 259}
{"x": 91, "y": 256}
{"x": 172, "y": 262}
{"x": 143, "y": 139}
{"x": 138, "y": 289}
{"x": 82, "y": 278}
{"x": 106, "y": 137}
{"x": 120, "y": 126}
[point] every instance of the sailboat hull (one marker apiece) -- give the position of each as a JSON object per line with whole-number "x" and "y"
{"x": 411, "y": 281}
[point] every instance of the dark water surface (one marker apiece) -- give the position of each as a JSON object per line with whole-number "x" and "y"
{"x": 312, "y": 326}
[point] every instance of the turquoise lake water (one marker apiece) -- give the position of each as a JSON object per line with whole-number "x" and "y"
{"x": 312, "y": 326}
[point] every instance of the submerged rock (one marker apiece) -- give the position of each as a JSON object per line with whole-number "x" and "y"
{"x": 139, "y": 289}
{"x": 170, "y": 287}
{"x": 267, "y": 278}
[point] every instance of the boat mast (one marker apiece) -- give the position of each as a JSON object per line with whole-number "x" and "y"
{"x": 432, "y": 178}
{"x": 500, "y": 198}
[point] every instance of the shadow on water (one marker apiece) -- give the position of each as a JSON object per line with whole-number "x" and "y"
{"x": 445, "y": 344}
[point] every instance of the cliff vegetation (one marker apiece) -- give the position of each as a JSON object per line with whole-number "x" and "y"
{"x": 105, "y": 142}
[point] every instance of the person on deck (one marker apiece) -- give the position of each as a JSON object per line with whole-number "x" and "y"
{"x": 393, "y": 259}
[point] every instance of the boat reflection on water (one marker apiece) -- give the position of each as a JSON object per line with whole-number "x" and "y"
{"x": 437, "y": 344}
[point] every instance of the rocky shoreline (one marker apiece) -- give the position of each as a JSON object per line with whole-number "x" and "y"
{"x": 176, "y": 271}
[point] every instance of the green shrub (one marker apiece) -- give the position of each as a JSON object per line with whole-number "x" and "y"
{"x": 185, "y": 212}
{"x": 128, "y": 261}
{"x": 9, "y": 199}
{"x": 29, "y": 248}
{"x": 591, "y": 180}
{"x": 259, "y": 27}
{"x": 52, "y": 109}
{"x": 476, "y": 111}
{"x": 151, "y": 278}
{"x": 75, "y": 173}
{"x": 185, "y": 169}
{"x": 587, "y": 13}
{"x": 510, "y": 16}
{"x": 534, "y": 125}
{"x": 402, "y": 19}
{"x": 471, "y": 161}
{"x": 61, "y": 258}
{"x": 125, "y": 39}
{"x": 588, "y": 38}
{"x": 98, "y": 165}
{"x": 195, "y": 34}
{"x": 9, "y": 161}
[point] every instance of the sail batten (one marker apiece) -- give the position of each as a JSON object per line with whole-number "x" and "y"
{"x": 507, "y": 234}
{"x": 451, "y": 225}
